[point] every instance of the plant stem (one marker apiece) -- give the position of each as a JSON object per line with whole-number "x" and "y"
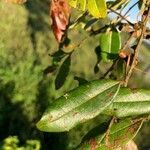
{"x": 136, "y": 52}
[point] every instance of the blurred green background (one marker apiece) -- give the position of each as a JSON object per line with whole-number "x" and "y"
{"x": 26, "y": 40}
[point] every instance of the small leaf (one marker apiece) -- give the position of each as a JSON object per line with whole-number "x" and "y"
{"x": 78, "y": 106}
{"x": 119, "y": 134}
{"x": 130, "y": 103}
{"x": 63, "y": 73}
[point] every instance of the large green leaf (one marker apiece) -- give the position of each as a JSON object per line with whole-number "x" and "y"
{"x": 97, "y": 8}
{"x": 130, "y": 103}
{"x": 79, "y": 105}
{"x": 117, "y": 136}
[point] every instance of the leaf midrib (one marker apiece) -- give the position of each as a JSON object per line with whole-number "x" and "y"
{"x": 82, "y": 104}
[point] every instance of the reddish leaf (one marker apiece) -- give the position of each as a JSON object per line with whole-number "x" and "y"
{"x": 60, "y": 13}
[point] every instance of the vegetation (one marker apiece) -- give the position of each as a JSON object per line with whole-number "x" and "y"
{"x": 36, "y": 73}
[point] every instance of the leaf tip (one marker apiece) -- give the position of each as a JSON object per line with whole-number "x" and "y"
{"x": 39, "y": 125}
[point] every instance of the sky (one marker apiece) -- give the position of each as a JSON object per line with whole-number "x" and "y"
{"x": 134, "y": 12}
{"x": 132, "y": 15}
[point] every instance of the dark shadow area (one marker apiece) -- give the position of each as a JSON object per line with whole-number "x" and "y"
{"x": 12, "y": 119}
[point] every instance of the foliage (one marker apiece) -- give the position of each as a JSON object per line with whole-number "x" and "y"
{"x": 83, "y": 104}
{"x": 89, "y": 100}
{"x": 12, "y": 143}
{"x": 96, "y": 7}
{"x": 29, "y": 79}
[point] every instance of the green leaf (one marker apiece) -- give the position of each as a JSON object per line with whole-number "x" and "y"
{"x": 78, "y": 106}
{"x": 97, "y": 8}
{"x": 130, "y": 103}
{"x": 110, "y": 44}
{"x": 119, "y": 134}
{"x": 105, "y": 44}
{"x": 115, "y": 42}
{"x": 63, "y": 73}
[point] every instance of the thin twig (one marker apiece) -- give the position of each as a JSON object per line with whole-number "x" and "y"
{"x": 146, "y": 118}
{"x": 136, "y": 52}
{"x": 128, "y": 63}
{"x": 108, "y": 132}
{"x": 121, "y": 16}
{"x": 131, "y": 8}
{"x": 128, "y": 42}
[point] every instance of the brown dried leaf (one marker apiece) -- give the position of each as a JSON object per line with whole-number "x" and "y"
{"x": 60, "y": 13}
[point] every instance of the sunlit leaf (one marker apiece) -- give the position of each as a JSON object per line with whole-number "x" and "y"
{"x": 97, "y": 8}
{"x": 78, "y": 106}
